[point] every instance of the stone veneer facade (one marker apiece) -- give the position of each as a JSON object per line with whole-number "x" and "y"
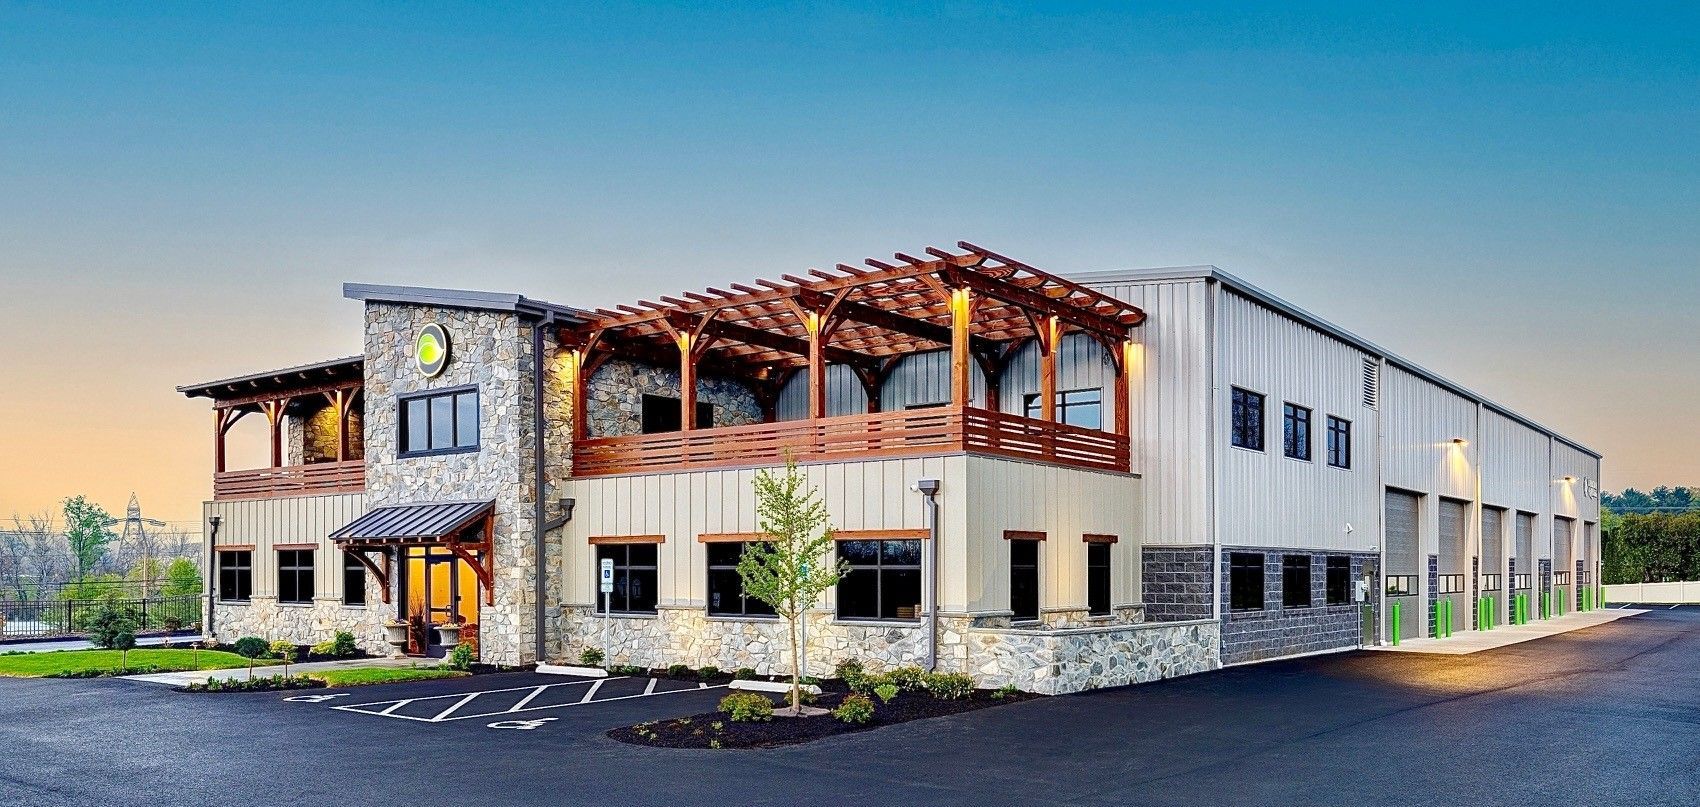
{"x": 1277, "y": 631}
{"x": 615, "y": 397}
{"x": 1047, "y": 660}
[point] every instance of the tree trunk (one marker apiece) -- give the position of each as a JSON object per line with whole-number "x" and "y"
{"x": 796, "y": 668}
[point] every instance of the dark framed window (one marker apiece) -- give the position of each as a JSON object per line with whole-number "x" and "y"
{"x": 1401, "y": 585}
{"x": 1295, "y": 431}
{"x": 235, "y": 575}
{"x": 1521, "y": 582}
{"x": 1561, "y": 578}
{"x": 1339, "y": 442}
{"x": 1490, "y": 582}
{"x": 1247, "y": 427}
{"x": 295, "y": 575}
{"x": 1080, "y": 407}
{"x": 726, "y": 595}
{"x": 1339, "y": 583}
{"x": 662, "y": 414}
{"x": 634, "y": 577}
{"x": 353, "y": 580}
{"x": 1245, "y": 581}
{"x": 444, "y": 422}
{"x": 1295, "y": 581}
{"x": 1098, "y": 578}
{"x": 884, "y": 581}
{"x": 1023, "y": 579}
{"x": 1451, "y": 584}
{"x": 1582, "y": 578}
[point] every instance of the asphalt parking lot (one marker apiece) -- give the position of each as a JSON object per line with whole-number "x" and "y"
{"x": 1604, "y": 715}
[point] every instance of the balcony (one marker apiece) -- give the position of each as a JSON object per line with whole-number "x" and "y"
{"x": 917, "y": 432}
{"x": 291, "y": 480}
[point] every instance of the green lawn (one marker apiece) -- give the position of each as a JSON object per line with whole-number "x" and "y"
{"x": 360, "y": 676}
{"x": 35, "y": 665}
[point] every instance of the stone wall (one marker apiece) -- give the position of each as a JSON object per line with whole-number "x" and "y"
{"x": 1049, "y": 661}
{"x": 310, "y": 624}
{"x": 1277, "y": 631}
{"x": 615, "y": 397}
{"x": 1177, "y": 582}
{"x": 319, "y": 437}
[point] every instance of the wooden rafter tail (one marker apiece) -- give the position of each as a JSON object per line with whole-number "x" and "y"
{"x": 850, "y": 270}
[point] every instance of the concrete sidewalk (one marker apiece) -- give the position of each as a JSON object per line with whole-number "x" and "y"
{"x": 53, "y": 645}
{"x": 1474, "y": 641}
{"x": 178, "y": 679}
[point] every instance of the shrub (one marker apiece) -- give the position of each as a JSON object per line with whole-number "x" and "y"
{"x": 745, "y": 674}
{"x": 886, "y": 692}
{"x": 343, "y": 645}
{"x": 628, "y": 669}
{"x": 708, "y": 672}
{"x": 461, "y": 657}
{"x": 591, "y": 657}
{"x": 949, "y": 686}
{"x": 747, "y": 707}
{"x": 678, "y": 670}
{"x": 281, "y": 648}
{"x": 908, "y": 679}
{"x": 848, "y": 669}
{"x": 854, "y": 709}
{"x": 110, "y": 621}
{"x": 866, "y": 684}
{"x": 324, "y": 648}
{"x": 1005, "y": 691}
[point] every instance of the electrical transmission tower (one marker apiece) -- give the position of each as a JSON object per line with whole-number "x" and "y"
{"x": 135, "y": 538}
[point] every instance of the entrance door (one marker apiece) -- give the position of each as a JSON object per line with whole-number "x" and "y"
{"x": 1368, "y": 597}
{"x": 440, "y": 589}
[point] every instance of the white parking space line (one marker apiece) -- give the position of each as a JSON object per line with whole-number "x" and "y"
{"x": 453, "y": 711}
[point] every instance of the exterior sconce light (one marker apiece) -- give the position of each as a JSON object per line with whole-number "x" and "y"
{"x": 1460, "y": 442}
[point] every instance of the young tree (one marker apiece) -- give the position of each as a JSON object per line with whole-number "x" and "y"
{"x": 87, "y": 532}
{"x": 792, "y": 567}
{"x": 124, "y": 642}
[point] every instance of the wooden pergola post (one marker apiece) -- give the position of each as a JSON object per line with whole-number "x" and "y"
{"x": 1050, "y": 337}
{"x": 1123, "y": 424}
{"x": 817, "y": 363}
{"x": 687, "y": 382}
{"x": 274, "y": 420}
{"x": 961, "y": 316}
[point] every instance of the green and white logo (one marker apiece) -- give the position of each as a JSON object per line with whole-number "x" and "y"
{"x": 431, "y": 350}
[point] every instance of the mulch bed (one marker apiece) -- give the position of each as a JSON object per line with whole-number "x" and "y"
{"x": 274, "y": 683}
{"x": 699, "y": 731}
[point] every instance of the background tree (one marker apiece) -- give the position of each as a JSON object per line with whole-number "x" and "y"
{"x": 87, "y": 532}
{"x": 792, "y": 567}
{"x": 32, "y": 554}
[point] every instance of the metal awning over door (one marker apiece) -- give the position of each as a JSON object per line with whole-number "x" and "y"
{"x": 463, "y": 528}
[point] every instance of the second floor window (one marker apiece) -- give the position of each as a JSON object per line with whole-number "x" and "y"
{"x": 439, "y": 422}
{"x": 1295, "y": 431}
{"x": 1247, "y": 426}
{"x": 1339, "y": 442}
{"x": 1080, "y": 407}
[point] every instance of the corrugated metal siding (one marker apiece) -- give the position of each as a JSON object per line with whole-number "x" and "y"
{"x": 1572, "y": 498}
{"x": 844, "y": 394}
{"x": 1081, "y": 364}
{"x": 1563, "y": 544}
{"x": 1514, "y": 470}
{"x": 1170, "y": 405}
{"x": 266, "y": 523}
{"x": 1265, "y": 498}
{"x": 1419, "y": 423}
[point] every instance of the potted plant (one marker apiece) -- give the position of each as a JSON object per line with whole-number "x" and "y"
{"x": 449, "y": 632}
{"x": 395, "y": 632}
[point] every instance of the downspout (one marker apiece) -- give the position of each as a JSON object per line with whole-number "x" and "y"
{"x": 538, "y": 525}
{"x": 211, "y": 575}
{"x": 929, "y": 488}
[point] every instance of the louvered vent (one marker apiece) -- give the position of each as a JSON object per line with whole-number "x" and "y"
{"x": 1372, "y": 383}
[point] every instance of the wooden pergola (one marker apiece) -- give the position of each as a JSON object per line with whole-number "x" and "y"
{"x": 980, "y": 305}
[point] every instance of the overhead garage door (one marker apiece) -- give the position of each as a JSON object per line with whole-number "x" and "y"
{"x": 1453, "y": 556}
{"x": 1563, "y": 543}
{"x": 1402, "y": 533}
{"x": 1525, "y": 543}
{"x": 1493, "y": 520}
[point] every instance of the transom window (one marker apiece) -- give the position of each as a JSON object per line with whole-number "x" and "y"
{"x": 1080, "y": 407}
{"x": 1295, "y": 581}
{"x": 1520, "y": 582}
{"x": 295, "y": 575}
{"x": 726, "y": 595}
{"x": 884, "y": 581}
{"x": 1401, "y": 585}
{"x": 1490, "y": 582}
{"x": 1561, "y": 578}
{"x": 1247, "y": 427}
{"x": 1339, "y": 442}
{"x": 1450, "y": 584}
{"x": 235, "y": 575}
{"x": 634, "y": 578}
{"x": 439, "y": 422}
{"x": 1295, "y": 431}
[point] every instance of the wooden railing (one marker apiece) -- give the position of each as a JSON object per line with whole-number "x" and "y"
{"x": 291, "y": 480}
{"x": 913, "y": 432}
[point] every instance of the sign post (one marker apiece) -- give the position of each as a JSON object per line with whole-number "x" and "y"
{"x": 607, "y": 590}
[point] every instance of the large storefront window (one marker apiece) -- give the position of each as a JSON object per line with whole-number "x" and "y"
{"x": 884, "y": 581}
{"x": 634, "y": 577}
{"x": 725, "y": 587}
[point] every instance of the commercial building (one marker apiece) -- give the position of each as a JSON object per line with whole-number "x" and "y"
{"x": 1061, "y": 483}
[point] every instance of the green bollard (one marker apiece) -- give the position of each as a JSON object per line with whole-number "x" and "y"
{"x": 1395, "y": 624}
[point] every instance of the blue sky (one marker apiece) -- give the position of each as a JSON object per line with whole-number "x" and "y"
{"x": 202, "y": 177}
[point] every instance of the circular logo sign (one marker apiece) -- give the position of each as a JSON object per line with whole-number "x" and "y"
{"x": 431, "y": 349}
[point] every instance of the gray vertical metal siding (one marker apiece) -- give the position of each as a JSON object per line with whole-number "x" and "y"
{"x": 844, "y": 394}
{"x": 1082, "y": 363}
{"x": 1563, "y": 544}
{"x": 924, "y": 378}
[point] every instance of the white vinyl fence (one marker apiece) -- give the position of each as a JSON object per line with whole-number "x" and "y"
{"x": 1667, "y": 593}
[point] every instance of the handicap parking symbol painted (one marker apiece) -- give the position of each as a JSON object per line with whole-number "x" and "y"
{"x": 521, "y": 725}
{"x": 316, "y": 698}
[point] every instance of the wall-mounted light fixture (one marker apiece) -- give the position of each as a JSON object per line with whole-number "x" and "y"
{"x": 1460, "y": 442}
{"x": 1569, "y": 479}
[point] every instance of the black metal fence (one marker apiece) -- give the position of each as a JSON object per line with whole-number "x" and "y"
{"x": 49, "y": 618}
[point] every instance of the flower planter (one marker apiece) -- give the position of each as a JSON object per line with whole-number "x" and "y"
{"x": 396, "y": 634}
{"x": 450, "y": 635}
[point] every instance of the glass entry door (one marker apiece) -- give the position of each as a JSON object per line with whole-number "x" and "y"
{"x": 441, "y": 589}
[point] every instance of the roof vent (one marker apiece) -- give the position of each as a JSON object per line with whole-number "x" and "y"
{"x": 1372, "y": 383}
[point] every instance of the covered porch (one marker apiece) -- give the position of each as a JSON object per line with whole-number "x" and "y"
{"x": 978, "y": 309}
{"x": 434, "y": 561}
